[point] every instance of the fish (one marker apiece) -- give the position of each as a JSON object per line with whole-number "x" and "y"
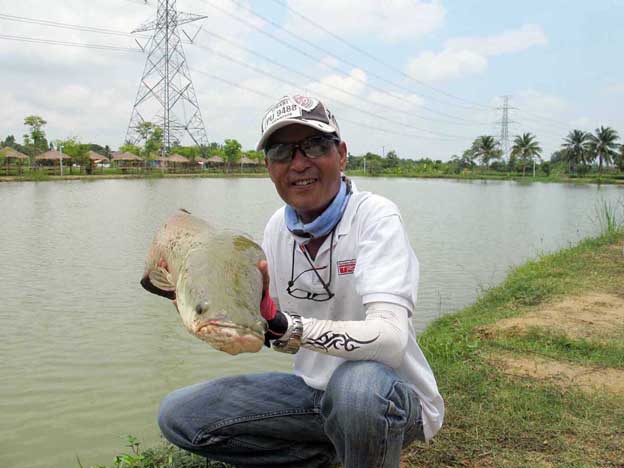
{"x": 211, "y": 275}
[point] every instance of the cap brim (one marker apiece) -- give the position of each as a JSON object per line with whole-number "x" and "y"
{"x": 323, "y": 127}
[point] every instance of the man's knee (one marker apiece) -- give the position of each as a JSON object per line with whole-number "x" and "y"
{"x": 358, "y": 389}
{"x": 171, "y": 419}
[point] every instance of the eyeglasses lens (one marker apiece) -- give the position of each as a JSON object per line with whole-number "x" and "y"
{"x": 313, "y": 147}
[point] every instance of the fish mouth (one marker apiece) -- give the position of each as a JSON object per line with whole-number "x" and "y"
{"x": 228, "y": 337}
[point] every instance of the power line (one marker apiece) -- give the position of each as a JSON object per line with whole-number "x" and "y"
{"x": 68, "y": 44}
{"x": 344, "y": 104}
{"x": 318, "y": 59}
{"x": 351, "y": 106}
{"x": 326, "y": 51}
{"x": 384, "y": 63}
{"x": 309, "y": 77}
{"x": 75, "y": 27}
{"x": 342, "y": 118}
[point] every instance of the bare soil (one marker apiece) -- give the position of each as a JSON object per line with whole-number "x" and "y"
{"x": 564, "y": 374}
{"x": 594, "y": 316}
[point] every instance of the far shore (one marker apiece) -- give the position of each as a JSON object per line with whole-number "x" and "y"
{"x": 594, "y": 179}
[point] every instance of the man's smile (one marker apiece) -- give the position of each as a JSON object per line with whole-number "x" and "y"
{"x": 304, "y": 182}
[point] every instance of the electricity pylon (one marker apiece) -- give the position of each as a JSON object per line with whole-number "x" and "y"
{"x": 166, "y": 96}
{"x": 504, "y": 135}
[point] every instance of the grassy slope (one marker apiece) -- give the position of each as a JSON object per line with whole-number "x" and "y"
{"x": 497, "y": 420}
{"x": 501, "y": 421}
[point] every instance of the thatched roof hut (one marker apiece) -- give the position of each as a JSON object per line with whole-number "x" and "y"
{"x": 126, "y": 156}
{"x": 10, "y": 153}
{"x": 97, "y": 158}
{"x": 246, "y": 160}
{"x": 52, "y": 155}
{"x": 178, "y": 159}
{"x": 215, "y": 159}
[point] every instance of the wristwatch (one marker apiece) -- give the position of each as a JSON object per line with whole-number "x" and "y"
{"x": 292, "y": 345}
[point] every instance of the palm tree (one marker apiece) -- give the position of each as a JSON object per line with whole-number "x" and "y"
{"x": 486, "y": 148}
{"x": 526, "y": 148}
{"x": 603, "y": 145}
{"x": 575, "y": 148}
{"x": 619, "y": 159}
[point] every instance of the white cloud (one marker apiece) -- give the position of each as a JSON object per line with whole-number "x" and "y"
{"x": 332, "y": 86}
{"x": 390, "y": 20}
{"x": 469, "y": 55}
{"x": 506, "y": 42}
{"x": 431, "y": 66}
{"x": 615, "y": 88}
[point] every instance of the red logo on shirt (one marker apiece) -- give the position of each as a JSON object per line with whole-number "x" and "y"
{"x": 346, "y": 267}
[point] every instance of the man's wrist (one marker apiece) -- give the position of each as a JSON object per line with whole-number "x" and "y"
{"x": 290, "y": 342}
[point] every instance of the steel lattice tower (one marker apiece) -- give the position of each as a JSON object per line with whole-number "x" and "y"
{"x": 166, "y": 95}
{"x": 504, "y": 138}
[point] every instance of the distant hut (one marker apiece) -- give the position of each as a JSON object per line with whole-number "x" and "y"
{"x": 95, "y": 159}
{"x": 177, "y": 162}
{"x": 245, "y": 161}
{"x": 13, "y": 159}
{"x": 214, "y": 162}
{"x": 51, "y": 159}
{"x": 126, "y": 160}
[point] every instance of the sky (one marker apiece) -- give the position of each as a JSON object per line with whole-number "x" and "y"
{"x": 422, "y": 78}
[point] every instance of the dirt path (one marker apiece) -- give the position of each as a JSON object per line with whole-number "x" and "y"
{"x": 593, "y": 317}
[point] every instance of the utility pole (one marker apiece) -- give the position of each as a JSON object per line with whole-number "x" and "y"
{"x": 166, "y": 96}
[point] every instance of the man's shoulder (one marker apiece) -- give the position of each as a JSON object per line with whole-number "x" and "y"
{"x": 276, "y": 222}
{"x": 369, "y": 204}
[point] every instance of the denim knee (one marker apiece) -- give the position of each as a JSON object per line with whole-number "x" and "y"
{"x": 172, "y": 420}
{"x": 357, "y": 390}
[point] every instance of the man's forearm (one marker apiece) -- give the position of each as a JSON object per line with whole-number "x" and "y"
{"x": 381, "y": 337}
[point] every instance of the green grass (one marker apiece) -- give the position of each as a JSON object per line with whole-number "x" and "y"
{"x": 558, "y": 346}
{"x": 501, "y": 421}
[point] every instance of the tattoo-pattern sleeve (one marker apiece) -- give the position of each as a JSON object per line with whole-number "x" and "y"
{"x": 338, "y": 341}
{"x": 381, "y": 337}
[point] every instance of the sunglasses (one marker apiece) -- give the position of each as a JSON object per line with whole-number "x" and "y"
{"x": 312, "y": 147}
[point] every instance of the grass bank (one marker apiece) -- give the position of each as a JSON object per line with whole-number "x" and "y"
{"x": 501, "y": 413}
{"x": 506, "y": 364}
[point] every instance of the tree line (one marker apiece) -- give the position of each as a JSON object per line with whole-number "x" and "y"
{"x": 580, "y": 153}
{"x": 35, "y": 142}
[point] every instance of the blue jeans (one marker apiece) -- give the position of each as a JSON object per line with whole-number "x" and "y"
{"x": 363, "y": 419}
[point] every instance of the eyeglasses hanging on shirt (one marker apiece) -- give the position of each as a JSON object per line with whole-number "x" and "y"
{"x": 298, "y": 293}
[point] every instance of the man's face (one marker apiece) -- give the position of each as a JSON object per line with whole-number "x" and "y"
{"x": 308, "y": 185}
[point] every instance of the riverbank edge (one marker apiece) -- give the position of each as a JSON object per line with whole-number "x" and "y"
{"x": 496, "y": 419}
{"x": 493, "y": 419}
{"x": 212, "y": 175}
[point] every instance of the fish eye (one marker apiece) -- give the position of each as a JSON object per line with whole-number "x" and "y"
{"x": 202, "y": 307}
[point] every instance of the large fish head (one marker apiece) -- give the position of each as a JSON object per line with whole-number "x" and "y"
{"x": 218, "y": 294}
